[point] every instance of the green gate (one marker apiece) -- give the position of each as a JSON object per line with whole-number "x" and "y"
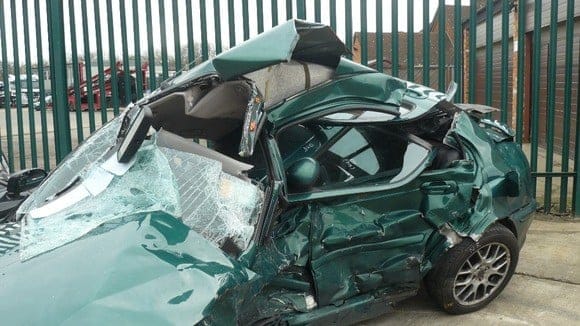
{"x": 70, "y": 66}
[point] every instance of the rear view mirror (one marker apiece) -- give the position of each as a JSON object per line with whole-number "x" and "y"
{"x": 133, "y": 132}
{"x": 25, "y": 180}
{"x": 303, "y": 174}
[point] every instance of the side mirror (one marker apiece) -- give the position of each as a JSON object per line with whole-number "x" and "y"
{"x": 303, "y": 174}
{"x": 24, "y": 180}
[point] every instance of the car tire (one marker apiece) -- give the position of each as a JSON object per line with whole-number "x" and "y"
{"x": 473, "y": 273}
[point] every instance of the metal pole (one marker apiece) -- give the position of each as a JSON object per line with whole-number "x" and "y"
{"x": 550, "y": 113}
{"x": 567, "y": 103}
{"x": 301, "y": 9}
{"x": 379, "y": 36}
{"x": 410, "y": 42}
{"x": 504, "y": 60}
{"x": 576, "y": 188}
{"x": 58, "y": 79}
{"x": 426, "y": 44}
{"x": 472, "y": 43}
{"x": 40, "y": 65}
{"x": 363, "y": 33}
{"x": 458, "y": 51}
{"x": 348, "y": 25}
{"x": 442, "y": 47}
{"x": 517, "y": 91}
{"x": 395, "y": 38}
{"x": 535, "y": 124}
{"x": 7, "y": 104}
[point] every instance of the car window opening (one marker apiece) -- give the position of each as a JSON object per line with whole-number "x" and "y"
{"x": 358, "y": 146}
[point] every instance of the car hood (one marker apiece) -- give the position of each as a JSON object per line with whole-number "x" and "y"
{"x": 149, "y": 269}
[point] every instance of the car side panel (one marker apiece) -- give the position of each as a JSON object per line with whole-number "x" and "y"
{"x": 503, "y": 180}
{"x": 447, "y": 193}
{"x": 368, "y": 242}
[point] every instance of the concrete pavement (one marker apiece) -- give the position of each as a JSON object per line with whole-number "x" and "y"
{"x": 544, "y": 291}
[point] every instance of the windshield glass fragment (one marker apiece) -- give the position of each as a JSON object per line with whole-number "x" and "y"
{"x": 215, "y": 204}
{"x": 188, "y": 186}
{"x": 73, "y": 165}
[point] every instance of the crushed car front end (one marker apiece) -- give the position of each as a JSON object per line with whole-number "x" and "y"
{"x": 145, "y": 224}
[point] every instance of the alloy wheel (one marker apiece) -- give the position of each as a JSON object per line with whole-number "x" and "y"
{"x": 482, "y": 274}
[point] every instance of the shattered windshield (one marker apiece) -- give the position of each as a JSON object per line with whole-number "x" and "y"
{"x": 91, "y": 188}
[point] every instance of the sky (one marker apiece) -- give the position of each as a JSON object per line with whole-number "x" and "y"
{"x": 73, "y": 17}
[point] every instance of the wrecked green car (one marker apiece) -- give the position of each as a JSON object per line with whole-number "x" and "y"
{"x": 278, "y": 183}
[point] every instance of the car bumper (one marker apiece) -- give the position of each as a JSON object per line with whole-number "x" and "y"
{"x": 522, "y": 219}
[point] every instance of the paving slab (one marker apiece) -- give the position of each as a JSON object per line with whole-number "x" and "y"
{"x": 525, "y": 301}
{"x": 552, "y": 251}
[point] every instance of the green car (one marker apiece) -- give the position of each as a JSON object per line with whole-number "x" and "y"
{"x": 278, "y": 183}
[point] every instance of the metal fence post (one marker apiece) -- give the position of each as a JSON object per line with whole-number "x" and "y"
{"x": 301, "y": 9}
{"x": 576, "y": 188}
{"x": 567, "y": 105}
{"x": 57, "y": 56}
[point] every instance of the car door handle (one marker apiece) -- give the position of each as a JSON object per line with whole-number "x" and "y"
{"x": 439, "y": 187}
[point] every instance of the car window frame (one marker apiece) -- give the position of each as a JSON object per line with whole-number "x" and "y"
{"x": 274, "y": 192}
{"x": 348, "y": 189}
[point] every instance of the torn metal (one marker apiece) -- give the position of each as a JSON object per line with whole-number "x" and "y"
{"x": 203, "y": 226}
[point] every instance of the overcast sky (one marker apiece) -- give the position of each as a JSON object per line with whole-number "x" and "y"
{"x": 75, "y": 14}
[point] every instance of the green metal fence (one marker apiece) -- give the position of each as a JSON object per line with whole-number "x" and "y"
{"x": 95, "y": 56}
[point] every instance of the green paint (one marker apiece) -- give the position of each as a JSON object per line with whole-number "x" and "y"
{"x": 43, "y": 122}
{"x": 58, "y": 81}
{"x": 567, "y": 105}
{"x": 29, "y": 87}
{"x": 100, "y": 63}
{"x": 75, "y": 75}
{"x": 337, "y": 253}
{"x": 88, "y": 71}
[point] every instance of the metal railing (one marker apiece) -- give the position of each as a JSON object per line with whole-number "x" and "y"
{"x": 104, "y": 53}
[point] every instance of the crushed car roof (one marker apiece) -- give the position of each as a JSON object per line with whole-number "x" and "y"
{"x": 311, "y": 44}
{"x": 294, "y": 39}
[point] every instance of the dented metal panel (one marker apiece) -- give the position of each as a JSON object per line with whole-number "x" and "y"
{"x": 147, "y": 269}
{"x": 184, "y": 235}
{"x": 295, "y": 39}
{"x": 498, "y": 160}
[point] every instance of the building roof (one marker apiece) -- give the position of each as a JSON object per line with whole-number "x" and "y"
{"x": 418, "y": 40}
{"x": 402, "y": 51}
{"x": 449, "y": 12}
{"x": 481, "y": 10}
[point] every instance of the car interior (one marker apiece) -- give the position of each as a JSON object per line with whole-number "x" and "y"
{"x": 208, "y": 118}
{"x": 211, "y": 112}
{"x": 354, "y": 153}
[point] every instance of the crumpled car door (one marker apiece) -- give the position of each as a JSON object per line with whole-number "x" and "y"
{"x": 368, "y": 242}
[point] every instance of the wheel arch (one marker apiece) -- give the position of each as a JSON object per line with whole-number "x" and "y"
{"x": 509, "y": 224}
